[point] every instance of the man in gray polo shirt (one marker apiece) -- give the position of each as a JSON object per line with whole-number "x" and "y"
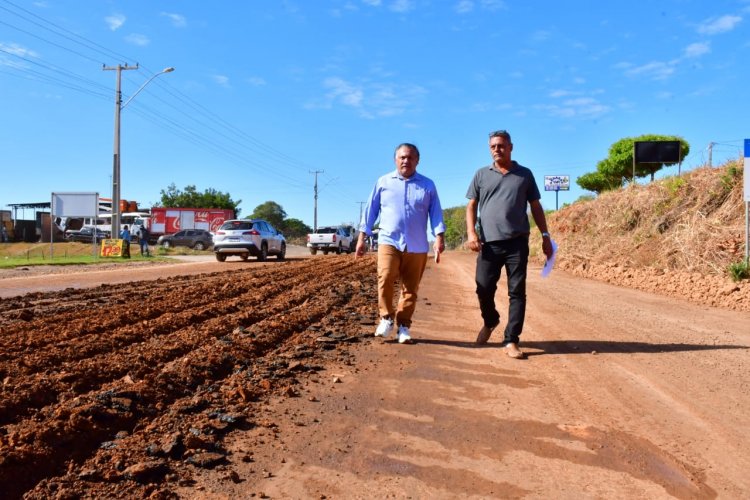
{"x": 500, "y": 192}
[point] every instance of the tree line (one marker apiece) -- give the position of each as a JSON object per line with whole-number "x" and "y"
{"x": 271, "y": 211}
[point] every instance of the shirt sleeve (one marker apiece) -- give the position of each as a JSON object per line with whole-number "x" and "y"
{"x": 473, "y": 192}
{"x": 372, "y": 211}
{"x": 533, "y": 193}
{"x": 436, "y": 213}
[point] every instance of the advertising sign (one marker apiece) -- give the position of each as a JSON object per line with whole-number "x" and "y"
{"x": 557, "y": 183}
{"x": 111, "y": 248}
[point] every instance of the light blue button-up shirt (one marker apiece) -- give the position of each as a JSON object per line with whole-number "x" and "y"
{"x": 403, "y": 206}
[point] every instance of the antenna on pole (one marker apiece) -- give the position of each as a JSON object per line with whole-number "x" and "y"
{"x": 315, "y": 190}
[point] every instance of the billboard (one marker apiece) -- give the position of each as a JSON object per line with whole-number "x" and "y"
{"x": 657, "y": 152}
{"x": 557, "y": 183}
{"x": 75, "y": 204}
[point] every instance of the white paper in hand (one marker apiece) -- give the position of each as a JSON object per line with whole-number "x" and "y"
{"x": 551, "y": 261}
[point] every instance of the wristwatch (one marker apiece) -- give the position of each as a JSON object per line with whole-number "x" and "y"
{"x": 545, "y": 234}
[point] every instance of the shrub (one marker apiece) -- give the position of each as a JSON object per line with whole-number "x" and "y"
{"x": 739, "y": 271}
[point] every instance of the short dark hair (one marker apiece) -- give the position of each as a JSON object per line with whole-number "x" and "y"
{"x": 501, "y": 133}
{"x": 406, "y": 145}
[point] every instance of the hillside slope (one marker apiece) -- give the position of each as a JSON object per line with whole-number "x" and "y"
{"x": 675, "y": 236}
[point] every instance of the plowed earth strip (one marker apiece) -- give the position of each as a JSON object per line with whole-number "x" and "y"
{"x": 123, "y": 385}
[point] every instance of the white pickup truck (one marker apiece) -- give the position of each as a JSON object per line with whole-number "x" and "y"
{"x": 331, "y": 239}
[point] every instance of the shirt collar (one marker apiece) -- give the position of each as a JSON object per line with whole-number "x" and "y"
{"x": 396, "y": 175}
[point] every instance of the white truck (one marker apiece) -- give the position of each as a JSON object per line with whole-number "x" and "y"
{"x": 331, "y": 239}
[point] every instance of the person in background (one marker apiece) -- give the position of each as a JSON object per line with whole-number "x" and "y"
{"x": 501, "y": 192}
{"x": 403, "y": 200}
{"x": 125, "y": 236}
{"x": 143, "y": 236}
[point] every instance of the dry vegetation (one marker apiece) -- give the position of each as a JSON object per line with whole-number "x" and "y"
{"x": 676, "y": 236}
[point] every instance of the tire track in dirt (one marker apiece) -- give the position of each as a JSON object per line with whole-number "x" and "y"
{"x": 91, "y": 398}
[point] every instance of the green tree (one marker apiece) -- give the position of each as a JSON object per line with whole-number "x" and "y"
{"x": 605, "y": 178}
{"x": 270, "y": 211}
{"x": 454, "y": 219}
{"x": 295, "y": 228}
{"x": 191, "y": 198}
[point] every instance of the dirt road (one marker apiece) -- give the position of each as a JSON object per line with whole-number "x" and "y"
{"x": 622, "y": 395}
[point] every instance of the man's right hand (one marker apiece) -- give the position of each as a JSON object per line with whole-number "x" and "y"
{"x": 473, "y": 243}
{"x": 361, "y": 249}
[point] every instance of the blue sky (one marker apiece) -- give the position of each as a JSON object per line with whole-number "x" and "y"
{"x": 265, "y": 93}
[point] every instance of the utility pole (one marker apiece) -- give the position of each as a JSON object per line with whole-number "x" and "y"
{"x": 315, "y": 190}
{"x": 116, "y": 211}
{"x": 710, "y": 153}
{"x": 115, "y": 228}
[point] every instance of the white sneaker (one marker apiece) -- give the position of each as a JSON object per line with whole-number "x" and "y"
{"x": 384, "y": 328}
{"x": 403, "y": 335}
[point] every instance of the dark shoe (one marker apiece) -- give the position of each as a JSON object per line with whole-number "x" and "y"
{"x": 513, "y": 351}
{"x": 484, "y": 335}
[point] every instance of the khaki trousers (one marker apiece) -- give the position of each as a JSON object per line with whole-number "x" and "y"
{"x": 395, "y": 265}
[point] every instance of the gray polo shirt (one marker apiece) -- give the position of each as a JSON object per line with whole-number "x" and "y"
{"x": 503, "y": 200}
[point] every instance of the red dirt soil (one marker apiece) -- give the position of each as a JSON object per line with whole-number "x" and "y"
{"x": 255, "y": 379}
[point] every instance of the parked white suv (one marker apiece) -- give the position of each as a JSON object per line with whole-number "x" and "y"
{"x": 246, "y": 237}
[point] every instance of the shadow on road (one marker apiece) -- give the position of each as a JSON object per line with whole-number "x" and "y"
{"x": 536, "y": 348}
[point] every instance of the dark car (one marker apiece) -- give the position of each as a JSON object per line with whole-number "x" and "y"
{"x": 248, "y": 237}
{"x": 197, "y": 239}
{"x": 86, "y": 235}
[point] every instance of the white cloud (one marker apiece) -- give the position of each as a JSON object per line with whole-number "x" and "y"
{"x": 256, "y": 81}
{"x": 370, "y": 100}
{"x": 656, "y": 70}
{"x": 340, "y": 89}
{"x": 402, "y": 6}
{"x": 541, "y": 36}
{"x": 115, "y": 21}
{"x": 221, "y": 80}
{"x": 716, "y": 25}
{"x": 17, "y": 50}
{"x": 697, "y": 49}
{"x": 178, "y": 20}
{"x": 464, "y": 6}
{"x": 576, "y": 107}
{"x": 492, "y": 4}
{"x": 562, "y": 93}
{"x": 137, "y": 39}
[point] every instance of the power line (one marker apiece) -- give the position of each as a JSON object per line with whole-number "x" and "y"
{"x": 212, "y": 122}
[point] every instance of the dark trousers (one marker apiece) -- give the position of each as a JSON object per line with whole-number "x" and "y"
{"x": 514, "y": 256}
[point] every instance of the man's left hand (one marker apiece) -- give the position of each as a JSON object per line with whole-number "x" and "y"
{"x": 438, "y": 247}
{"x": 547, "y": 247}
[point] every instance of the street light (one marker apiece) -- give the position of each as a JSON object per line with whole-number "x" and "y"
{"x": 116, "y": 212}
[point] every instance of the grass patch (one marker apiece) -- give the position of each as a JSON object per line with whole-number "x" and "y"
{"x": 739, "y": 271}
{"x": 62, "y": 254}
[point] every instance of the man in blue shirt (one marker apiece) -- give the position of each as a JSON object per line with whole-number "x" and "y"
{"x": 125, "y": 236}
{"x": 403, "y": 200}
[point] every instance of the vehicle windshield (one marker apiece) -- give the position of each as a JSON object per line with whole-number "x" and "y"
{"x": 237, "y": 225}
{"x": 326, "y": 230}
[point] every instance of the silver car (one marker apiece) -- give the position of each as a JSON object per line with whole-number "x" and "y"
{"x": 246, "y": 237}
